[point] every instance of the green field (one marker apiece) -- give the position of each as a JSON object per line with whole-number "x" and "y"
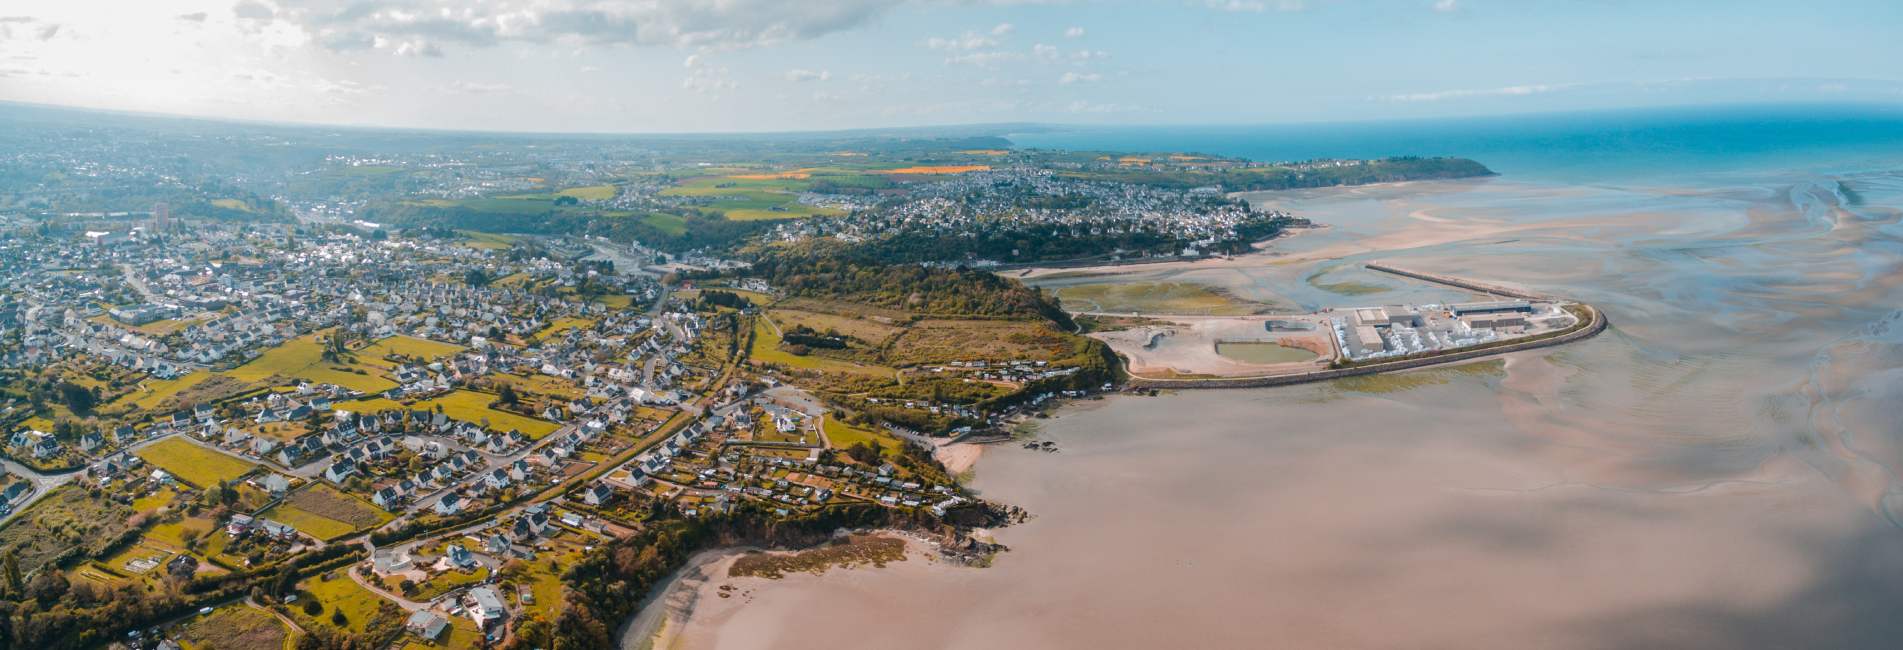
{"x": 1264, "y": 352}
{"x": 408, "y": 346}
{"x": 750, "y": 200}
{"x": 766, "y": 349}
{"x": 340, "y": 592}
{"x": 325, "y": 513}
{"x": 65, "y": 518}
{"x": 590, "y": 192}
{"x": 841, "y": 435}
{"x": 302, "y": 358}
{"x": 1155, "y": 298}
{"x": 194, "y": 464}
{"x": 667, "y": 223}
{"x": 558, "y": 326}
{"x": 1345, "y": 287}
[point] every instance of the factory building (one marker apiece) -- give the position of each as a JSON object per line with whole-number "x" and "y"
{"x": 1365, "y": 341}
{"x": 1492, "y": 307}
{"x": 1495, "y": 321}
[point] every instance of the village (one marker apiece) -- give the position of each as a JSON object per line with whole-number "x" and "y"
{"x": 470, "y": 417}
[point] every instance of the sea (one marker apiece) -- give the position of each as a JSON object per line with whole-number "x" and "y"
{"x": 1718, "y": 470}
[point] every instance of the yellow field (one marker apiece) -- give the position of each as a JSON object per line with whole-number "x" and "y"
{"x": 302, "y": 358}
{"x": 158, "y": 390}
{"x": 235, "y": 626}
{"x": 408, "y": 346}
{"x": 841, "y": 435}
{"x": 1155, "y": 298}
{"x": 472, "y": 406}
{"x": 870, "y": 331}
{"x": 323, "y": 512}
{"x": 563, "y": 324}
{"x": 360, "y": 605}
{"x": 194, "y": 464}
{"x": 936, "y": 169}
{"x": 984, "y": 152}
{"x": 766, "y": 349}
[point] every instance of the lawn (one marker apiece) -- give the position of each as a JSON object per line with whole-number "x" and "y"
{"x": 563, "y": 324}
{"x": 235, "y": 627}
{"x": 841, "y": 435}
{"x": 870, "y": 331}
{"x": 302, "y": 358}
{"x": 325, "y": 513}
{"x": 153, "y": 392}
{"x": 340, "y": 592}
{"x": 766, "y": 349}
{"x": 472, "y": 406}
{"x": 446, "y": 581}
{"x": 408, "y": 346}
{"x": 194, "y": 464}
{"x": 486, "y": 241}
{"x": 752, "y": 199}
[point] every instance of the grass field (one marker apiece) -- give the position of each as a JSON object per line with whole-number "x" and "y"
{"x": 590, "y": 192}
{"x": 194, "y": 464}
{"x": 340, "y": 592}
{"x": 667, "y": 223}
{"x": 65, "y": 518}
{"x": 936, "y": 169}
{"x": 153, "y": 392}
{"x": 472, "y": 406}
{"x": 766, "y": 349}
{"x": 938, "y": 341}
{"x": 742, "y": 199}
{"x": 867, "y": 330}
{"x": 563, "y": 324}
{"x": 442, "y": 583}
{"x": 323, "y": 512}
{"x": 235, "y": 627}
{"x": 1155, "y": 298}
{"x": 841, "y": 435}
{"x": 302, "y": 358}
{"x": 408, "y": 346}
{"x": 485, "y": 240}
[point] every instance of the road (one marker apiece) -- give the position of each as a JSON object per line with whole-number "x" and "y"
{"x": 42, "y": 484}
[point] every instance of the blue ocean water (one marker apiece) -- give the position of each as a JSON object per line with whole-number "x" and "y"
{"x": 1602, "y": 146}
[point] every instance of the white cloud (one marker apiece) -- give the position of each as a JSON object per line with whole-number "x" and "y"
{"x": 477, "y": 88}
{"x": 1002, "y": 29}
{"x": 195, "y": 17}
{"x": 1445, "y": 6}
{"x": 1042, "y": 51}
{"x": 1255, "y": 6}
{"x": 1505, "y": 91}
{"x": 970, "y": 41}
{"x": 800, "y": 75}
{"x": 1074, "y": 32}
{"x": 982, "y": 58}
{"x": 1079, "y": 77}
{"x": 728, "y": 24}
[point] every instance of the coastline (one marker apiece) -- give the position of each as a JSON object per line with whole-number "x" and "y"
{"x": 689, "y": 608}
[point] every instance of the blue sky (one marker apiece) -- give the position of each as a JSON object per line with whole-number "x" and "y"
{"x": 752, "y": 65}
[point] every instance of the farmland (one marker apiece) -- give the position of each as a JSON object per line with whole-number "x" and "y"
{"x": 194, "y": 464}
{"x": 767, "y": 350}
{"x": 325, "y": 513}
{"x": 938, "y": 341}
{"x": 841, "y": 435}
{"x": 336, "y": 591}
{"x": 302, "y": 358}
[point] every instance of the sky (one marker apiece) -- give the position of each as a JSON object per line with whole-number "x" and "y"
{"x": 649, "y": 66}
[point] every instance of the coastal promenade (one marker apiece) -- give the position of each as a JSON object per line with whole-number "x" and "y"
{"x": 1589, "y": 327}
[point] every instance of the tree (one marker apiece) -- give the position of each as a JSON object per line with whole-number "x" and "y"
{"x": 337, "y": 617}
{"x": 312, "y": 607}
{"x": 77, "y": 398}
{"x": 10, "y": 572}
{"x": 507, "y": 396}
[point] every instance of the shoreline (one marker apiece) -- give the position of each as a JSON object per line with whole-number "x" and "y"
{"x": 691, "y": 597}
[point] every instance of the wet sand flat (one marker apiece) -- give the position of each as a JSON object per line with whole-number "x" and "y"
{"x": 1717, "y": 471}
